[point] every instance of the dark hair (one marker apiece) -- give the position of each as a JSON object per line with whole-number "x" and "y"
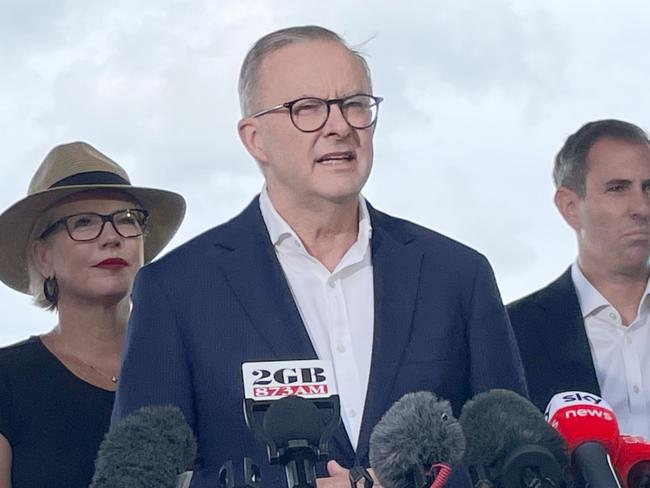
{"x": 570, "y": 168}
{"x": 249, "y": 74}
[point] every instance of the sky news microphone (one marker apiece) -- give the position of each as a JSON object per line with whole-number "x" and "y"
{"x": 152, "y": 447}
{"x": 416, "y": 443}
{"x": 509, "y": 443}
{"x": 589, "y": 427}
{"x": 633, "y": 461}
{"x": 294, "y": 408}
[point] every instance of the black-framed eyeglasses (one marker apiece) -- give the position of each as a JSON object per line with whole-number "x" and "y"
{"x": 129, "y": 222}
{"x": 310, "y": 114}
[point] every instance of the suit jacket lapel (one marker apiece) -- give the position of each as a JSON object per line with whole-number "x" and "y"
{"x": 255, "y": 274}
{"x": 396, "y": 274}
{"x": 567, "y": 334}
{"x": 269, "y": 303}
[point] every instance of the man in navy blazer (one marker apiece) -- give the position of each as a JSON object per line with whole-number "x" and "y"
{"x": 553, "y": 342}
{"x": 590, "y": 329}
{"x": 311, "y": 270}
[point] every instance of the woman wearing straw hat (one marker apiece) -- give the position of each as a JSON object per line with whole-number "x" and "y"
{"x": 75, "y": 243}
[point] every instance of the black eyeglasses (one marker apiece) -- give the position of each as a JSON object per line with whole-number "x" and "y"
{"x": 310, "y": 114}
{"x": 130, "y": 222}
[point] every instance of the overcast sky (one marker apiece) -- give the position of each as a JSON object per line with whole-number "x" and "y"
{"x": 479, "y": 96}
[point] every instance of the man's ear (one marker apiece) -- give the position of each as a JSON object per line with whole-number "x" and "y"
{"x": 42, "y": 258}
{"x": 567, "y": 202}
{"x": 253, "y": 141}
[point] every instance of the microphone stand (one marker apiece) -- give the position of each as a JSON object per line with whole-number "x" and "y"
{"x": 252, "y": 476}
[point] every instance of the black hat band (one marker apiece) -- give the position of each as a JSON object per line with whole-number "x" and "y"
{"x": 91, "y": 178}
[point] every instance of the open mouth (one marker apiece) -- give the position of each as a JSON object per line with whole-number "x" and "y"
{"x": 336, "y": 157}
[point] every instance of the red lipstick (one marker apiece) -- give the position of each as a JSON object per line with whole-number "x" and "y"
{"x": 112, "y": 263}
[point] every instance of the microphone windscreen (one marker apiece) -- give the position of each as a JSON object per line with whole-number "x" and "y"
{"x": 148, "y": 448}
{"x": 418, "y": 430}
{"x": 293, "y": 418}
{"x": 497, "y": 422}
{"x": 583, "y": 417}
{"x": 633, "y": 461}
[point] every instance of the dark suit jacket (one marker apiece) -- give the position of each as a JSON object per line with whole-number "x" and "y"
{"x": 553, "y": 342}
{"x": 222, "y": 299}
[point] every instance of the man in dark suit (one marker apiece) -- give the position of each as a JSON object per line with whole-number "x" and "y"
{"x": 310, "y": 270}
{"x": 588, "y": 330}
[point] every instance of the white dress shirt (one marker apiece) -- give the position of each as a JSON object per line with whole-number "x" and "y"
{"x": 337, "y": 308}
{"x": 621, "y": 354}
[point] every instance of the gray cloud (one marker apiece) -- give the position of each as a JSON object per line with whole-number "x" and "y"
{"x": 479, "y": 97}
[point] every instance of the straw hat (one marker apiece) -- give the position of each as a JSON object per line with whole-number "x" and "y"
{"x": 67, "y": 169}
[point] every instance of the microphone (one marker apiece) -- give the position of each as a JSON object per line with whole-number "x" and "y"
{"x": 152, "y": 447}
{"x": 633, "y": 461}
{"x": 589, "y": 427}
{"x": 293, "y": 424}
{"x": 293, "y": 407}
{"x": 509, "y": 444}
{"x": 416, "y": 442}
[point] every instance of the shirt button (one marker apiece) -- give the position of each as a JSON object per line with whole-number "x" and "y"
{"x": 353, "y": 413}
{"x": 635, "y": 389}
{"x": 340, "y": 348}
{"x": 331, "y": 283}
{"x": 612, "y": 316}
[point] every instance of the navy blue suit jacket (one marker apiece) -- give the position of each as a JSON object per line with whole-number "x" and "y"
{"x": 553, "y": 342}
{"x": 222, "y": 299}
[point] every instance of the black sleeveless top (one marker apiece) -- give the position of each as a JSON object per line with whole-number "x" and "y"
{"x": 53, "y": 420}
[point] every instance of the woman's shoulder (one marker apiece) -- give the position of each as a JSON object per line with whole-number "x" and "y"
{"x": 19, "y": 354}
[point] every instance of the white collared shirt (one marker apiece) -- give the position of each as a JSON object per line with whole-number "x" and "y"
{"x": 621, "y": 354}
{"x": 337, "y": 308}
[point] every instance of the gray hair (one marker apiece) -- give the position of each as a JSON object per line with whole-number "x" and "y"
{"x": 36, "y": 279}
{"x": 250, "y": 69}
{"x": 570, "y": 168}
{"x": 36, "y": 287}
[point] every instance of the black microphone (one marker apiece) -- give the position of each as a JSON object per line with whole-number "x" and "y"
{"x": 509, "y": 443}
{"x": 293, "y": 408}
{"x": 149, "y": 448}
{"x": 293, "y": 424}
{"x": 416, "y": 442}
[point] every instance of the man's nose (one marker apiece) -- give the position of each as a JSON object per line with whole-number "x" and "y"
{"x": 640, "y": 204}
{"x": 336, "y": 123}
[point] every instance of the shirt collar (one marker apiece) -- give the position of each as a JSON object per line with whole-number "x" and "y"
{"x": 589, "y": 297}
{"x": 279, "y": 229}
